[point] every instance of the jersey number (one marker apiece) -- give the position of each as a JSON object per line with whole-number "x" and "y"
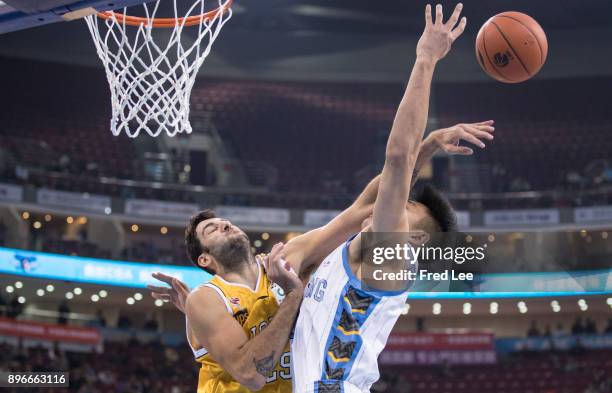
{"x": 285, "y": 369}
{"x": 284, "y": 362}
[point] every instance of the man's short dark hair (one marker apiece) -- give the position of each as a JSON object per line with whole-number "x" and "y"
{"x": 439, "y": 208}
{"x": 192, "y": 243}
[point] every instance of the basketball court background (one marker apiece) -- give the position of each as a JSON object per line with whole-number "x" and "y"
{"x": 290, "y": 114}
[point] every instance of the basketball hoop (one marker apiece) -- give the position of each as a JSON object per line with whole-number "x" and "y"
{"x": 151, "y": 75}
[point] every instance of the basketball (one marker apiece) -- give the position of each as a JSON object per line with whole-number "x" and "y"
{"x": 511, "y": 47}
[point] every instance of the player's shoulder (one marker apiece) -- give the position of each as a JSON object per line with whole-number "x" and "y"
{"x": 205, "y": 295}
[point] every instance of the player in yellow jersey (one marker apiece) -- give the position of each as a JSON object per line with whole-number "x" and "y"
{"x": 252, "y": 308}
{"x": 231, "y": 316}
{"x": 234, "y": 320}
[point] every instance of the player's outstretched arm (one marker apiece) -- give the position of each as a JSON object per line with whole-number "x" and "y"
{"x": 308, "y": 250}
{"x": 410, "y": 121}
{"x": 249, "y": 361}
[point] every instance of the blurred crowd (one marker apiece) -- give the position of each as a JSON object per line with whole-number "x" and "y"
{"x": 543, "y": 372}
{"x": 129, "y": 367}
{"x": 133, "y": 367}
{"x": 579, "y": 327}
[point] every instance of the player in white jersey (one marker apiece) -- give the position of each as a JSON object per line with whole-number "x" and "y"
{"x": 343, "y": 322}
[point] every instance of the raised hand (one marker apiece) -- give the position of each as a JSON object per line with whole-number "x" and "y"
{"x": 176, "y": 293}
{"x": 448, "y": 139}
{"x": 438, "y": 36}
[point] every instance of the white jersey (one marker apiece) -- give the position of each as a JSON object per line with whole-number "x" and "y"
{"x": 341, "y": 329}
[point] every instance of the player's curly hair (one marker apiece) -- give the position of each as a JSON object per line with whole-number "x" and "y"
{"x": 439, "y": 207}
{"x": 192, "y": 243}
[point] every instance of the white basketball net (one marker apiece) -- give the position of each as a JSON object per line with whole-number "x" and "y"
{"x": 151, "y": 78}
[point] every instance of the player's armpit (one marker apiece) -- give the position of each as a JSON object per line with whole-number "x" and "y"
{"x": 223, "y": 337}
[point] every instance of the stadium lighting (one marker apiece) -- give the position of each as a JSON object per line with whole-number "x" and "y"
{"x": 406, "y": 309}
{"x": 163, "y": 230}
{"x": 37, "y": 225}
{"x": 609, "y": 301}
{"x": 48, "y": 217}
{"x": 604, "y": 235}
{"x": 103, "y": 293}
{"x": 138, "y": 296}
{"x": 437, "y": 308}
{"x": 494, "y": 307}
{"x": 107, "y": 211}
{"x": 159, "y": 302}
{"x": 82, "y": 220}
{"x": 78, "y": 291}
{"x": 40, "y": 292}
{"x": 10, "y": 289}
{"x": 130, "y": 300}
{"x": 467, "y": 308}
{"x": 69, "y": 219}
{"x": 50, "y": 288}
{"x": 135, "y": 228}
{"x": 18, "y": 285}
{"x": 522, "y": 307}
{"x": 491, "y": 238}
{"x": 21, "y": 299}
{"x": 265, "y": 236}
{"x": 69, "y": 295}
{"x": 556, "y": 307}
{"x": 583, "y": 305}
{"x": 257, "y": 243}
{"x": 95, "y": 298}
{"x": 583, "y": 232}
{"x": 25, "y": 215}
{"x": 469, "y": 238}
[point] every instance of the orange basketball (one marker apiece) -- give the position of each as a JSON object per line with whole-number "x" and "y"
{"x": 511, "y": 47}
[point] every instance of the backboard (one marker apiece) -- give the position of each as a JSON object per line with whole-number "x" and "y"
{"x": 22, "y": 14}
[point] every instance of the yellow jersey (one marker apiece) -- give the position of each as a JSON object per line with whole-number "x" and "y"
{"x": 253, "y": 309}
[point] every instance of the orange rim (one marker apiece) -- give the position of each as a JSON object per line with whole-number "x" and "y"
{"x": 165, "y": 22}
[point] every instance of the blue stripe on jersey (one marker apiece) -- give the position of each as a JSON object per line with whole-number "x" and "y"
{"x": 356, "y": 282}
{"x": 344, "y": 340}
{"x": 355, "y": 305}
{"x": 329, "y": 387}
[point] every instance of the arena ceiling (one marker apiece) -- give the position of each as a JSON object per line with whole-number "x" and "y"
{"x": 351, "y": 39}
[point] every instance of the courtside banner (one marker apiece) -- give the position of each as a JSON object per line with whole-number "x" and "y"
{"x": 317, "y": 218}
{"x": 593, "y": 214}
{"x": 90, "y": 270}
{"x": 438, "y": 348}
{"x": 49, "y": 332}
{"x": 11, "y": 193}
{"x": 160, "y": 209}
{"x": 254, "y": 215}
{"x": 463, "y": 219}
{"x": 521, "y": 217}
{"x": 561, "y": 343}
{"x": 74, "y": 200}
